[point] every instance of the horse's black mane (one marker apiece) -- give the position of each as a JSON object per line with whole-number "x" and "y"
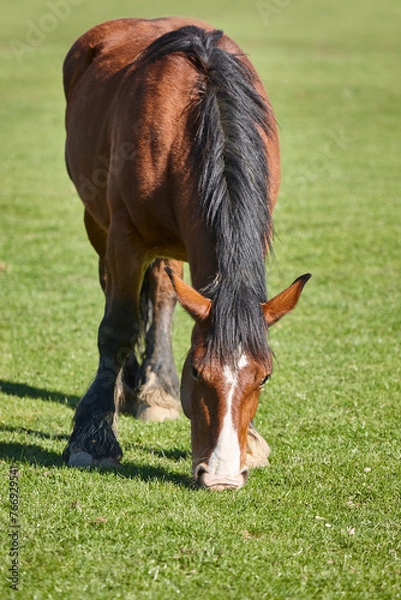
{"x": 229, "y": 160}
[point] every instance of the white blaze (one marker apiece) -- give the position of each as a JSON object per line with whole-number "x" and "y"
{"x": 226, "y": 457}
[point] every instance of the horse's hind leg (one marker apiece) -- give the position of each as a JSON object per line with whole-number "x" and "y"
{"x": 158, "y": 393}
{"x": 93, "y": 440}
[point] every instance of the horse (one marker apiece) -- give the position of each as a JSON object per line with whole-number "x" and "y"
{"x": 172, "y": 145}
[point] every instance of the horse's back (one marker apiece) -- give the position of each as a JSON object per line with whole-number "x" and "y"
{"x": 127, "y": 128}
{"x": 117, "y": 43}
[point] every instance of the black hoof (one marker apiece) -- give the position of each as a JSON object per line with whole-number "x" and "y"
{"x": 92, "y": 443}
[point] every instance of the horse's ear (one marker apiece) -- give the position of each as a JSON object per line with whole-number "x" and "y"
{"x": 194, "y": 303}
{"x": 281, "y": 304}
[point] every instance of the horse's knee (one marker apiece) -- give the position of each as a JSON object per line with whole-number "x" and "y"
{"x": 117, "y": 335}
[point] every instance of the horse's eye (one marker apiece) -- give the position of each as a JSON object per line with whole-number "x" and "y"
{"x": 265, "y": 380}
{"x": 195, "y": 374}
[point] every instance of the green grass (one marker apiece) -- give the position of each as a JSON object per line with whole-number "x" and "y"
{"x": 324, "y": 520}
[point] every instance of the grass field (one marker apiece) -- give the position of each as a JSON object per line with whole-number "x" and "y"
{"x": 324, "y": 520}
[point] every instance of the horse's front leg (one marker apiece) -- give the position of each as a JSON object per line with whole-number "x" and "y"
{"x": 94, "y": 437}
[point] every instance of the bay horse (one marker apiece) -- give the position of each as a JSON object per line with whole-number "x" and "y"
{"x": 173, "y": 148}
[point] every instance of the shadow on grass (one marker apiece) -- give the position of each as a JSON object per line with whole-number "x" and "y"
{"x": 38, "y": 456}
{"x": 172, "y": 454}
{"x": 23, "y": 390}
{"x": 30, "y": 453}
{"x": 151, "y": 473}
{"x": 40, "y": 434}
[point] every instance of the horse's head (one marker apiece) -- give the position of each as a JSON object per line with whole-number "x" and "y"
{"x": 221, "y": 400}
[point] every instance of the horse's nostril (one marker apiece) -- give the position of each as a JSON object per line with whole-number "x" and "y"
{"x": 245, "y": 473}
{"x": 218, "y": 481}
{"x": 199, "y": 471}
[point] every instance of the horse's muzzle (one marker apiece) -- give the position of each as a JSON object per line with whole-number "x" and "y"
{"x": 219, "y": 482}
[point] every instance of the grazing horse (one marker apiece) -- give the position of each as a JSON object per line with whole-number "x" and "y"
{"x": 173, "y": 148}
